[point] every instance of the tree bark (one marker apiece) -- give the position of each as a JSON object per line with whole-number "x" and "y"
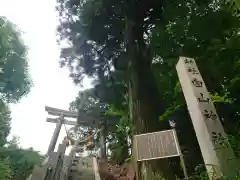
{"x": 144, "y": 101}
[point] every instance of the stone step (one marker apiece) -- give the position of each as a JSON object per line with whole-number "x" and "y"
{"x": 82, "y": 169}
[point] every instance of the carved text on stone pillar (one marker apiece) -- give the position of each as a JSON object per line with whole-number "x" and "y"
{"x": 208, "y": 127}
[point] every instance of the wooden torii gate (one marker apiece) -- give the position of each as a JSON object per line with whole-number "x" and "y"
{"x": 57, "y": 165}
{"x": 83, "y": 119}
{"x": 59, "y": 121}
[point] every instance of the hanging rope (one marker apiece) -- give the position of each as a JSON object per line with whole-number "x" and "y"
{"x": 65, "y": 127}
{"x": 88, "y": 140}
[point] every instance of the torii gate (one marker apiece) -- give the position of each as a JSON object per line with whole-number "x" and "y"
{"x": 83, "y": 119}
{"x": 59, "y": 122}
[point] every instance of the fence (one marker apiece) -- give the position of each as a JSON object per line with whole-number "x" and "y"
{"x": 54, "y": 167}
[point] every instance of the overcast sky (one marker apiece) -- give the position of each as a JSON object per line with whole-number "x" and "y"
{"x": 52, "y": 87}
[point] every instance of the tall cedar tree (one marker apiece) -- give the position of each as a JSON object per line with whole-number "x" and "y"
{"x": 106, "y": 35}
{"x": 110, "y": 38}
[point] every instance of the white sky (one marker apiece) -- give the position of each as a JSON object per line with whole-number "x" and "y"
{"x": 52, "y": 87}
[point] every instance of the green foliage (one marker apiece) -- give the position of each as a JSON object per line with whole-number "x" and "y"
{"x": 15, "y": 162}
{"x": 120, "y": 141}
{"x": 216, "y": 98}
{"x": 5, "y": 120}
{"x": 13, "y": 143}
{"x": 170, "y": 110}
{"x": 21, "y": 161}
{"x": 5, "y": 169}
{"x": 85, "y": 100}
{"x": 200, "y": 174}
{"x": 15, "y": 78}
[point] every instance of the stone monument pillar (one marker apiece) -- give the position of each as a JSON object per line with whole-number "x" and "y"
{"x": 218, "y": 156}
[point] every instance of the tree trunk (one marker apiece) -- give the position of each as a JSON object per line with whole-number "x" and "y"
{"x": 144, "y": 101}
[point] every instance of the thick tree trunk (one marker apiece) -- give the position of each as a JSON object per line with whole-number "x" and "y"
{"x": 144, "y": 100}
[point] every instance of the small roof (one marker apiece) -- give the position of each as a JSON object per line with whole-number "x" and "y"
{"x": 96, "y": 116}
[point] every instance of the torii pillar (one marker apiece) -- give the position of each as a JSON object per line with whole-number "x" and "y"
{"x": 55, "y": 135}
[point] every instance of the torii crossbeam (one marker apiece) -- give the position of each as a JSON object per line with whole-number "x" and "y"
{"x": 59, "y": 122}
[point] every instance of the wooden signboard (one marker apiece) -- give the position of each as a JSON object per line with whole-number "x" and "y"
{"x": 156, "y": 145}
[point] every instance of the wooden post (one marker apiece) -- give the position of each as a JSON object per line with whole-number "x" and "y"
{"x": 55, "y": 135}
{"x": 95, "y": 168}
{"x": 208, "y": 127}
{"x": 181, "y": 156}
{"x": 102, "y": 140}
{"x": 66, "y": 164}
{"x": 58, "y": 165}
{"x": 38, "y": 173}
